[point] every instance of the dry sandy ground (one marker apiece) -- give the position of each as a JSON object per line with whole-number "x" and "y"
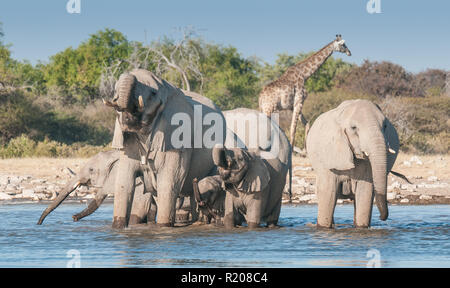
{"x": 430, "y": 175}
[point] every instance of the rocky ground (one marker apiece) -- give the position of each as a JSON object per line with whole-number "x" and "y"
{"x": 40, "y": 179}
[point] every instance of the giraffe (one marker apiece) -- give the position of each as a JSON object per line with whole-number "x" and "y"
{"x": 288, "y": 92}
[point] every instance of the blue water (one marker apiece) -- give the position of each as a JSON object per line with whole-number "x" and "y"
{"x": 414, "y": 236}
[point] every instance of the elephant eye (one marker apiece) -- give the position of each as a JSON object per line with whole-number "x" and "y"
{"x": 353, "y": 127}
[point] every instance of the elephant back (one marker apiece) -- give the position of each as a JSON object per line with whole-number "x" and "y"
{"x": 246, "y": 124}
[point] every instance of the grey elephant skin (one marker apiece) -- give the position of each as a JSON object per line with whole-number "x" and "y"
{"x": 146, "y": 107}
{"x": 100, "y": 172}
{"x": 260, "y": 165}
{"x": 352, "y": 148}
{"x": 252, "y": 187}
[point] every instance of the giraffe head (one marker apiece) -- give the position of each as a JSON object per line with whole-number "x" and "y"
{"x": 339, "y": 45}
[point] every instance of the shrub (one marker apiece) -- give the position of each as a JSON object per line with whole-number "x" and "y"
{"x": 381, "y": 79}
{"x": 23, "y": 146}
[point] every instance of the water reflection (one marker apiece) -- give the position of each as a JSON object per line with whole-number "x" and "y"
{"x": 414, "y": 236}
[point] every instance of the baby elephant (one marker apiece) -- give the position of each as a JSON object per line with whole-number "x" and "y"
{"x": 253, "y": 186}
{"x": 210, "y": 196}
{"x": 100, "y": 172}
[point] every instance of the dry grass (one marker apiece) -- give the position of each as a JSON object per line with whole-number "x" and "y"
{"x": 39, "y": 167}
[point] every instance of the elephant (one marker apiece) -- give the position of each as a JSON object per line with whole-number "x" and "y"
{"x": 148, "y": 112}
{"x": 100, "y": 172}
{"x": 352, "y": 148}
{"x": 251, "y": 129}
{"x": 260, "y": 136}
{"x": 210, "y": 196}
{"x": 253, "y": 185}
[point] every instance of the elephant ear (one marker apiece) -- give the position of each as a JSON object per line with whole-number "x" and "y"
{"x": 257, "y": 177}
{"x": 330, "y": 144}
{"x": 391, "y": 138}
{"x": 173, "y": 102}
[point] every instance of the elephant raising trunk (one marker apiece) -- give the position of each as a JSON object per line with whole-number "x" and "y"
{"x": 124, "y": 91}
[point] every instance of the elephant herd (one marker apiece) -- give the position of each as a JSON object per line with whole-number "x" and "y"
{"x": 177, "y": 157}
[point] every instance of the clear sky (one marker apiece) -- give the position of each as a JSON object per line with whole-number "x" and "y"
{"x": 413, "y": 33}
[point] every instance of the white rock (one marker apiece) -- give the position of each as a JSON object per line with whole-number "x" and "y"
{"x": 38, "y": 181}
{"x": 16, "y": 180}
{"x": 404, "y": 186}
{"x": 425, "y": 197}
{"x": 4, "y": 180}
{"x": 416, "y": 160}
{"x": 40, "y": 188}
{"x": 307, "y": 197}
{"x": 4, "y": 196}
{"x": 406, "y": 200}
{"x": 407, "y": 163}
{"x": 28, "y": 193}
{"x": 40, "y": 196}
{"x": 432, "y": 178}
{"x": 391, "y": 195}
{"x": 11, "y": 187}
{"x": 340, "y": 201}
{"x": 396, "y": 184}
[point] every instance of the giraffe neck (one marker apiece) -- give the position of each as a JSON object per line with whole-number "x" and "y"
{"x": 308, "y": 66}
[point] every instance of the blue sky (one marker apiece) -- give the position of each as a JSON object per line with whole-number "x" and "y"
{"x": 415, "y": 34}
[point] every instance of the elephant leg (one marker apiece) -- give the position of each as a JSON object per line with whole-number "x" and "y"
{"x": 92, "y": 207}
{"x": 141, "y": 206}
{"x": 327, "y": 187}
{"x": 272, "y": 219}
{"x": 363, "y": 204}
{"x": 228, "y": 219}
{"x": 254, "y": 214}
{"x": 151, "y": 215}
{"x": 124, "y": 190}
{"x": 193, "y": 210}
{"x": 171, "y": 176}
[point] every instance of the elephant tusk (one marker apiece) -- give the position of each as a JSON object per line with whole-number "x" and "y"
{"x": 392, "y": 150}
{"x": 141, "y": 103}
{"x": 109, "y": 103}
{"x": 76, "y": 185}
{"x": 365, "y": 153}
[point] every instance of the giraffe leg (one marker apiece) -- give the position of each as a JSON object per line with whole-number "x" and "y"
{"x": 294, "y": 120}
{"x": 298, "y": 105}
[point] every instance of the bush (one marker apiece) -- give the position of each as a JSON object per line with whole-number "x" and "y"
{"x": 23, "y": 146}
{"x": 423, "y": 124}
{"x": 20, "y": 114}
{"x": 381, "y": 79}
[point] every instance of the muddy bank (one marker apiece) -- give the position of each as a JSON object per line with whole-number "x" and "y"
{"x": 41, "y": 179}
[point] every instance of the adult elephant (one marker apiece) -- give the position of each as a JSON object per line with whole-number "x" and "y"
{"x": 253, "y": 130}
{"x": 148, "y": 128}
{"x": 253, "y": 165}
{"x": 100, "y": 173}
{"x": 352, "y": 148}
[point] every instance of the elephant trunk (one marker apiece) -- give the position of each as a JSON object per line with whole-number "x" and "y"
{"x": 71, "y": 186}
{"x": 127, "y": 82}
{"x": 198, "y": 197}
{"x": 378, "y": 162}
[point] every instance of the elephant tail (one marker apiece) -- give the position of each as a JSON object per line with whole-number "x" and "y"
{"x": 400, "y": 175}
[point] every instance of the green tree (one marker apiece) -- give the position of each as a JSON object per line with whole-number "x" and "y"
{"x": 230, "y": 79}
{"x": 77, "y": 71}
